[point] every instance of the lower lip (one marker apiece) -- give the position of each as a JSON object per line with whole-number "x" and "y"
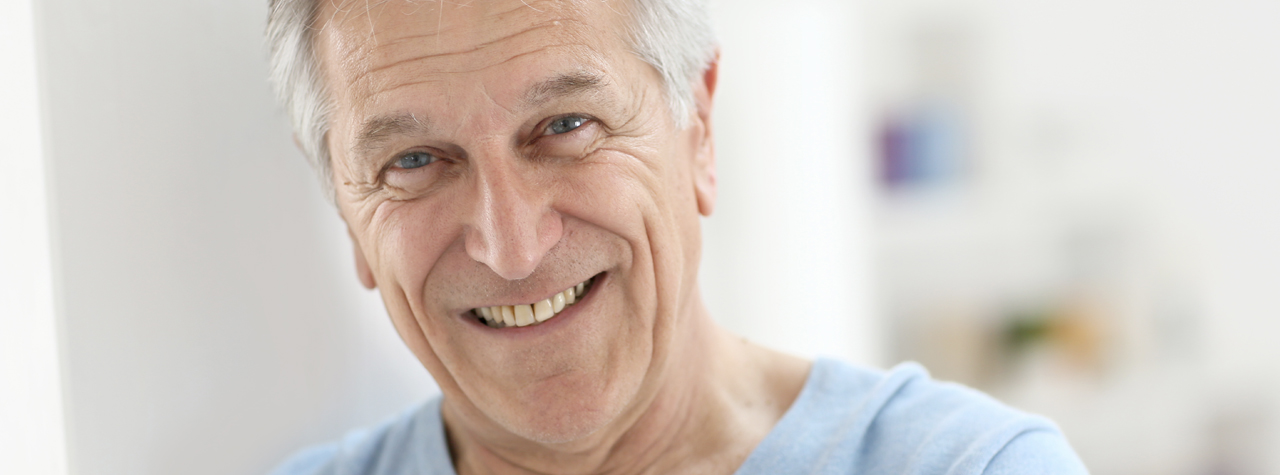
{"x": 549, "y": 325}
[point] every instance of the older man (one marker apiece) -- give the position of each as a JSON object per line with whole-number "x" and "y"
{"x": 523, "y": 181}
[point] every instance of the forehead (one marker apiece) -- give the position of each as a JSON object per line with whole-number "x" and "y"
{"x": 372, "y": 49}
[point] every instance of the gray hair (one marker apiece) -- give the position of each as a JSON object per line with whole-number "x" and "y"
{"x": 673, "y": 36}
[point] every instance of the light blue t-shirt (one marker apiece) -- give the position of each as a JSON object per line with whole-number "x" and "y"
{"x": 846, "y": 420}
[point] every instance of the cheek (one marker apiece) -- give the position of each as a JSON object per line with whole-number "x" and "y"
{"x": 614, "y": 194}
{"x": 411, "y": 238}
{"x": 635, "y": 199}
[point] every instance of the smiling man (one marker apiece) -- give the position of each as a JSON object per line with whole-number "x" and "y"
{"x": 522, "y": 181}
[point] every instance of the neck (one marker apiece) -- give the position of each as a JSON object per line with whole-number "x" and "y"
{"x": 718, "y": 397}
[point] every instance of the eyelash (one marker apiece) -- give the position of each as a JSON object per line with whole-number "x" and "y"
{"x": 583, "y": 120}
{"x": 397, "y": 164}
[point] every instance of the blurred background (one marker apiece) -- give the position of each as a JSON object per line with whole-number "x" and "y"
{"x": 1069, "y": 205}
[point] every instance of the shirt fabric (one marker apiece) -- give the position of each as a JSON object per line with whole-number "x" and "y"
{"x": 846, "y": 420}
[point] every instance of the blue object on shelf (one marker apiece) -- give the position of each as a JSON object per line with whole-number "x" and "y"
{"x": 925, "y": 146}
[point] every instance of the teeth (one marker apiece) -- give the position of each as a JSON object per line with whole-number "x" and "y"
{"x": 530, "y": 314}
{"x": 524, "y": 315}
{"x": 557, "y": 302}
{"x": 508, "y": 316}
{"x": 542, "y": 310}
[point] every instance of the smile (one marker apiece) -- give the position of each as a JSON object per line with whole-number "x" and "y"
{"x": 503, "y": 316}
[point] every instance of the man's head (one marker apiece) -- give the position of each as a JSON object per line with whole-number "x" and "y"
{"x": 495, "y": 153}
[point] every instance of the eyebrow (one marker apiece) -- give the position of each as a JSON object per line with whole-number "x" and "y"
{"x": 563, "y": 85}
{"x": 376, "y": 131}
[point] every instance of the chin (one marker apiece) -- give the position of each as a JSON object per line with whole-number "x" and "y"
{"x": 565, "y": 409}
{"x": 562, "y": 428}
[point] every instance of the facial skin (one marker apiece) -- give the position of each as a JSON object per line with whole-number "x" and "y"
{"x": 498, "y": 152}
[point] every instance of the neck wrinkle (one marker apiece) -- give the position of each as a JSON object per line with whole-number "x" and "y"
{"x": 672, "y": 419}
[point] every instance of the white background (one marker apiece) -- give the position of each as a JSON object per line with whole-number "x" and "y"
{"x": 32, "y": 439}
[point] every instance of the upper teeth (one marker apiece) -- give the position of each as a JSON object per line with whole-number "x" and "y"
{"x": 530, "y": 314}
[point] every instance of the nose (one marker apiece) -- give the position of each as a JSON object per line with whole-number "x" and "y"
{"x": 513, "y": 225}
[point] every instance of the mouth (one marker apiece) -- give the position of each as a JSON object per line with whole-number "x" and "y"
{"x": 505, "y": 316}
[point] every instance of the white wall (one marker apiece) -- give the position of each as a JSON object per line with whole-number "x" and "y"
{"x": 32, "y": 439}
{"x": 212, "y": 317}
{"x": 1182, "y": 103}
{"x": 786, "y": 253}
{"x": 1175, "y": 104}
{"x": 1164, "y": 114}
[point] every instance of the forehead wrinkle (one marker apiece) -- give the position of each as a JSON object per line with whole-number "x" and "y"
{"x": 448, "y": 54}
{"x": 348, "y": 13}
{"x": 376, "y": 85}
{"x": 375, "y": 94}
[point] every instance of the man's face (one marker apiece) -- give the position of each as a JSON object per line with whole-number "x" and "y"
{"x": 497, "y": 153}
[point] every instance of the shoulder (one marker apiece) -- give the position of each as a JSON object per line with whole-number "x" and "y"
{"x": 903, "y": 421}
{"x": 392, "y": 447}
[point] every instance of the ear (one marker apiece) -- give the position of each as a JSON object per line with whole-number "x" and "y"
{"x": 362, "y": 265}
{"x": 704, "y": 164}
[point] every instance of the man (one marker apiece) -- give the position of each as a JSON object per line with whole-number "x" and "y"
{"x": 523, "y": 181}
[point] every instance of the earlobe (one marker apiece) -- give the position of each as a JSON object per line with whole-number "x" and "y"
{"x": 705, "y": 157}
{"x": 362, "y": 265}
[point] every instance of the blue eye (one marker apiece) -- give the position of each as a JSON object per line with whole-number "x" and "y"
{"x": 415, "y": 160}
{"x": 565, "y": 124}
